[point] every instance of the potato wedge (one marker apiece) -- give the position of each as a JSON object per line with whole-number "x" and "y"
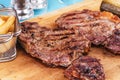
{"x": 6, "y": 26}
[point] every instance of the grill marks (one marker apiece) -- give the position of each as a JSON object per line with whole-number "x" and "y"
{"x": 113, "y": 43}
{"x": 85, "y": 68}
{"x": 58, "y": 47}
{"x": 75, "y": 17}
{"x": 64, "y": 45}
{"x": 98, "y": 27}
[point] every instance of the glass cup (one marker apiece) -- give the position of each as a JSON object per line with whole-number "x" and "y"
{"x": 9, "y": 30}
{"x": 2, "y": 6}
{"x": 39, "y": 6}
{"x": 23, "y": 7}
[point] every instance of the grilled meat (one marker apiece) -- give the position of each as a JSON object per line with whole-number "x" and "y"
{"x": 55, "y": 47}
{"x": 69, "y": 19}
{"x": 94, "y": 25}
{"x": 75, "y": 32}
{"x": 85, "y": 68}
{"x": 113, "y": 42}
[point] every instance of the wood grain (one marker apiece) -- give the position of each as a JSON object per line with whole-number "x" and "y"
{"x": 25, "y": 67}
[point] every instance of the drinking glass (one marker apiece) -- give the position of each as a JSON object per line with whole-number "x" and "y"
{"x": 39, "y": 6}
{"x": 9, "y": 30}
{"x": 2, "y": 6}
{"x": 23, "y": 7}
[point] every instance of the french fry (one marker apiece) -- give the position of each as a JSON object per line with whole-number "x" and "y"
{"x": 1, "y": 21}
{"x": 6, "y": 26}
{"x": 4, "y": 17}
{"x": 6, "y": 46}
{"x": 11, "y": 28}
{"x": 3, "y": 48}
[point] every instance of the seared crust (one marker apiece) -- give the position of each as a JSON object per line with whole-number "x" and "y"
{"x": 85, "y": 68}
{"x": 96, "y": 26}
{"x": 113, "y": 42}
{"x": 55, "y": 47}
{"x": 67, "y": 20}
{"x": 75, "y": 32}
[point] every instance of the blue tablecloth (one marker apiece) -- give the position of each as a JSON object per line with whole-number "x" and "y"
{"x": 52, "y": 5}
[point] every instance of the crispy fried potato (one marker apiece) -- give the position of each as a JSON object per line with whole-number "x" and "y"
{"x": 4, "y": 17}
{"x": 6, "y": 46}
{"x": 1, "y": 21}
{"x": 6, "y": 26}
{"x": 11, "y": 28}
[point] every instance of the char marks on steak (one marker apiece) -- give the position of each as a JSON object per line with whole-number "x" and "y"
{"x": 75, "y": 32}
{"x": 96, "y": 26}
{"x": 85, "y": 68}
{"x": 96, "y": 31}
{"x": 75, "y": 17}
{"x": 57, "y": 47}
{"x": 113, "y": 42}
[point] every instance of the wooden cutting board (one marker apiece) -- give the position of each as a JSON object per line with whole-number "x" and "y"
{"x": 24, "y": 67}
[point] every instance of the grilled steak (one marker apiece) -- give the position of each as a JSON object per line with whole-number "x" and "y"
{"x": 94, "y": 25}
{"x": 57, "y": 47}
{"x": 85, "y": 68}
{"x": 68, "y": 20}
{"x": 75, "y": 32}
{"x": 113, "y": 42}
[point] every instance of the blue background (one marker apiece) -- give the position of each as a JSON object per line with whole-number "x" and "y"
{"x": 52, "y": 5}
